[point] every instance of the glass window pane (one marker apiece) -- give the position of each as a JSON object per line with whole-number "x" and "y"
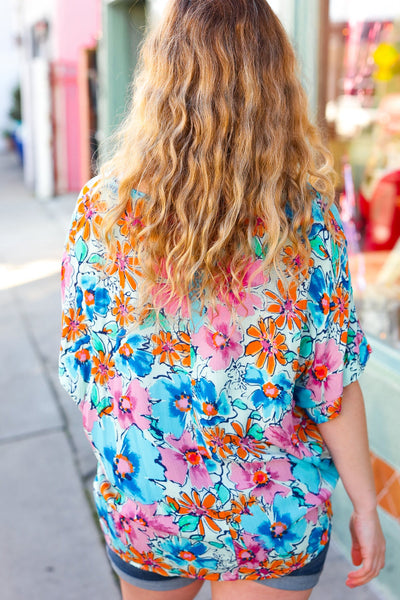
{"x": 363, "y": 124}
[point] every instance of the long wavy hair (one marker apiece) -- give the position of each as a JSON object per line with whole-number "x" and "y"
{"x": 218, "y": 137}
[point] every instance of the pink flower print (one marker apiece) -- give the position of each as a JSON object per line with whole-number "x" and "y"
{"x": 249, "y": 551}
{"x": 253, "y": 277}
{"x": 324, "y": 383}
{"x": 263, "y": 478}
{"x": 285, "y": 436}
{"x": 89, "y": 416}
{"x": 170, "y": 305}
{"x": 230, "y": 575}
{"x": 66, "y": 272}
{"x": 185, "y": 459}
{"x": 323, "y": 496}
{"x": 220, "y": 340}
{"x": 162, "y": 298}
{"x": 140, "y": 523}
{"x": 131, "y": 407}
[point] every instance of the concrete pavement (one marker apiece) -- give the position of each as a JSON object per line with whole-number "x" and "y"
{"x": 50, "y": 545}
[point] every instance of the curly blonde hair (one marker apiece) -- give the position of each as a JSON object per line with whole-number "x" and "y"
{"x": 219, "y": 138}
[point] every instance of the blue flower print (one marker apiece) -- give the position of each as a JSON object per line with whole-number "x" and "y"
{"x": 280, "y": 530}
{"x": 78, "y": 362}
{"x": 175, "y": 402}
{"x": 316, "y": 476}
{"x": 273, "y": 394}
{"x": 132, "y": 467}
{"x": 320, "y": 297}
{"x": 131, "y": 358}
{"x": 211, "y": 410}
{"x": 96, "y": 298}
{"x": 183, "y": 551}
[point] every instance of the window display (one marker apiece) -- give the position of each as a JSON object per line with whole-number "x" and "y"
{"x": 362, "y": 91}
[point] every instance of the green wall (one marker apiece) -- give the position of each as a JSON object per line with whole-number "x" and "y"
{"x": 124, "y": 24}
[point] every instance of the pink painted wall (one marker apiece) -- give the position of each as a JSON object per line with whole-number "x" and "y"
{"x": 77, "y": 25}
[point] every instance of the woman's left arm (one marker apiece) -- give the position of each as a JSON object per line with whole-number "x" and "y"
{"x": 347, "y": 440}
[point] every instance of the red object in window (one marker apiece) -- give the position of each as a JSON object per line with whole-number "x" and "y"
{"x": 382, "y": 213}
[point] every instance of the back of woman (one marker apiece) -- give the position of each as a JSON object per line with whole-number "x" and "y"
{"x": 209, "y": 327}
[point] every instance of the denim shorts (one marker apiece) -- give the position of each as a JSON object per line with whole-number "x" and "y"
{"x": 303, "y": 578}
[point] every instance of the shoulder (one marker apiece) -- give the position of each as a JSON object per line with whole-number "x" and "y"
{"x": 326, "y": 218}
{"x": 327, "y": 236}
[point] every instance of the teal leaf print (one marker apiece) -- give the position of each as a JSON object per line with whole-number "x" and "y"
{"x": 189, "y": 523}
{"x": 81, "y": 250}
{"x": 240, "y": 404}
{"x": 96, "y": 259}
{"x": 97, "y": 343}
{"x": 255, "y": 415}
{"x": 217, "y": 545}
{"x": 256, "y": 432}
{"x": 306, "y": 346}
{"x": 258, "y": 249}
{"x": 223, "y": 493}
{"x": 112, "y": 329}
{"x": 318, "y": 247}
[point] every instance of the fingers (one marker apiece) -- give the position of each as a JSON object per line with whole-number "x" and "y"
{"x": 356, "y": 555}
{"x": 370, "y": 569}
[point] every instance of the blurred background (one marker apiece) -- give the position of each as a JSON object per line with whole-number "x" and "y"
{"x": 65, "y": 70}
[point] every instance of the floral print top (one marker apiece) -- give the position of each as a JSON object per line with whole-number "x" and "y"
{"x": 210, "y": 463}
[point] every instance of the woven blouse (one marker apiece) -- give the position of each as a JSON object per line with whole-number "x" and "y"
{"x": 210, "y": 462}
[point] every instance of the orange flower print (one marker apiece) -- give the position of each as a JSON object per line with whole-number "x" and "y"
{"x": 295, "y": 265}
{"x": 165, "y": 347}
{"x": 269, "y": 345}
{"x": 306, "y": 430}
{"x": 259, "y": 228}
{"x": 103, "y": 368}
{"x": 131, "y": 219}
{"x": 290, "y": 310}
{"x": 74, "y": 325}
{"x": 340, "y": 305}
{"x": 218, "y": 441}
{"x": 334, "y": 409}
{"x": 123, "y": 310}
{"x": 265, "y": 569}
{"x": 183, "y": 347}
{"x": 202, "y": 573}
{"x": 125, "y": 264}
{"x": 246, "y": 444}
{"x": 148, "y": 561}
{"x": 88, "y": 215}
{"x": 239, "y": 507}
{"x": 200, "y": 509}
{"x": 296, "y": 562}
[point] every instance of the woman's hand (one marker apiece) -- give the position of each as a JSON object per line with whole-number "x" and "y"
{"x": 368, "y": 547}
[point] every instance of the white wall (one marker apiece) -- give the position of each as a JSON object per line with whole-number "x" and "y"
{"x": 38, "y": 167}
{"x": 8, "y": 64}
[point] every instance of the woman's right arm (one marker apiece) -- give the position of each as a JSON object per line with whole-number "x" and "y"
{"x": 347, "y": 440}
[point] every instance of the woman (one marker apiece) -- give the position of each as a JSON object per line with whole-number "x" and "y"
{"x": 209, "y": 335}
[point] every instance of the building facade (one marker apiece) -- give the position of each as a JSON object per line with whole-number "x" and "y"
{"x": 55, "y": 37}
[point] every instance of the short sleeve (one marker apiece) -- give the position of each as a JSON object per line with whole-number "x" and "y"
{"x": 333, "y": 348}
{"x": 78, "y": 291}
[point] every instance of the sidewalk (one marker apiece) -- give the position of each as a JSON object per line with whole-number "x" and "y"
{"x": 50, "y": 545}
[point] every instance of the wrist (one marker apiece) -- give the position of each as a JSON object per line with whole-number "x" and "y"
{"x": 365, "y": 510}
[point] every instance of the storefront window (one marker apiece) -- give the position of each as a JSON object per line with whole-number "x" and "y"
{"x": 362, "y": 111}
